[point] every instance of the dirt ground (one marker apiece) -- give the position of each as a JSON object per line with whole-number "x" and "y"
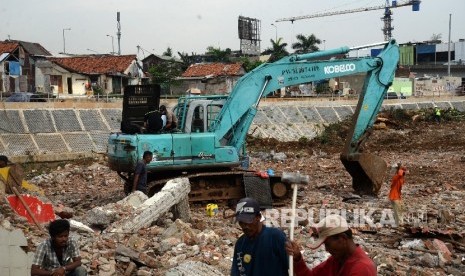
{"x": 433, "y": 197}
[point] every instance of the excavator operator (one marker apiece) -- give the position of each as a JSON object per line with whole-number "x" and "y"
{"x": 153, "y": 122}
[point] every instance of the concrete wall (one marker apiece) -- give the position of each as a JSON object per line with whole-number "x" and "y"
{"x": 62, "y": 131}
{"x": 14, "y": 261}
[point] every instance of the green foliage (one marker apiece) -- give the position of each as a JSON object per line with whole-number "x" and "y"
{"x": 277, "y": 50}
{"x": 249, "y": 64}
{"x": 450, "y": 114}
{"x": 186, "y": 60}
{"x": 168, "y": 52}
{"x": 303, "y": 140}
{"x": 218, "y": 54}
{"x": 306, "y": 44}
{"x": 334, "y": 133}
{"x": 165, "y": 73}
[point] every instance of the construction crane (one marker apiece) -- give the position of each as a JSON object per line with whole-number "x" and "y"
{"x": 387, "y": 19}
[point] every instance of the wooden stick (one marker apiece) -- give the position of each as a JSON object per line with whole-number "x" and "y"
{"x": 20, "y": 197}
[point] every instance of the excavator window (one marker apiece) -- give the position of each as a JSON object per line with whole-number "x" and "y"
{"x": 197, "y": 122}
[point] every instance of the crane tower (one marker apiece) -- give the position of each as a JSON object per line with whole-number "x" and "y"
{"x": 387, "y": 16}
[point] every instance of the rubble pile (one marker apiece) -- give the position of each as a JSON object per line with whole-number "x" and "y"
{"x": 431, "y": 241}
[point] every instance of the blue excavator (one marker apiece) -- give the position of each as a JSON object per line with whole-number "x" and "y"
{"x": 210, "y": 142}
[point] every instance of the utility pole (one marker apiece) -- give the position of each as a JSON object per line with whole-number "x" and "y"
{"x": 112, "y": 44}
{"x": 118, "y": 34}
{"x": 448, "y": 47}
{"x": 275, "y": 32}
{"x": 64, "y": 41}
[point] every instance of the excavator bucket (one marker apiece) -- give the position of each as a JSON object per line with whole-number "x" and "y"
{"x": 367, "y": 171}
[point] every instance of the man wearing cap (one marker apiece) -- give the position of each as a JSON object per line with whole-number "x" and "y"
{"x": 347, "y": 258}
{"x": 261, "y": 250}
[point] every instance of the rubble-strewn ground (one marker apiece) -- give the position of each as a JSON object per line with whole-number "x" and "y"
{"x": 430, "y": 243}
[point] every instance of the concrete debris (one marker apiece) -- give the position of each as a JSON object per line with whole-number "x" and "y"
{"x": 134, "y": 199}
{"x": 164, "y": 235}
{"x": 79, "y": 226}
{"x": 414, "y": 244}
{"x": 153, "y": 208}
{"x": 191, "y": 268}
{"x": 136, "y": 256}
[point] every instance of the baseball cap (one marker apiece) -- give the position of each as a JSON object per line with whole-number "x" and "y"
{"x": 329, "y": 226}
{"x": 247, "y": 209}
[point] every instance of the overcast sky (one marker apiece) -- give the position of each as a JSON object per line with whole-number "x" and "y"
{"x": 193, "y": 25}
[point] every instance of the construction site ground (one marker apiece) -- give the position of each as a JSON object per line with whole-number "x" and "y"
{"x": 431, "y": 241}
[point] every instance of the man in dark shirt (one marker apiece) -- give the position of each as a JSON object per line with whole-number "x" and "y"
{"x": 153, "y": 122}
{"x": 261, "y": 250}
{"x": 140, "y": 173}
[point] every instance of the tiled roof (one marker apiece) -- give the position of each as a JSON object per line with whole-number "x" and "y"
{"x": 7, "y": 46}
{"x": 214, "y": 69}
{"x": 95, "y": 64}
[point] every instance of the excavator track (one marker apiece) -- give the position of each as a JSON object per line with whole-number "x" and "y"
{"x": 229, "y": 185}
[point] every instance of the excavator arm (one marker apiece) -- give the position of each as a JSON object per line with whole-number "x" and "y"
{"x": 236, "y": 116}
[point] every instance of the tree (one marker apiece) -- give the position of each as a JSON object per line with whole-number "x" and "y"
{"x": 165, "y": 73}
{"x": 250, "y": 64}
{"x": 186, "y": 60}
{"x": 277, "y": 50}
{"x": 218, "y": 54}
{"x": 306, "y": 44}
{"x": 436, "y": 38}
{"x": 168, "y": 52}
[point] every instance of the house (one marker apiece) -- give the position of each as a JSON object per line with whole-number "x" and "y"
{"x": 210, "y": 78}
{"x": 171, "y": 65}
{"x": 87, "y": 74}
{"x": 17, "y": 65}
{"x": 153, "y": 60}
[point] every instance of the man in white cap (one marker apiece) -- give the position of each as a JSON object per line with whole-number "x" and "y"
{"x": 261, "y": 250}
{"x": 347, "y": 257}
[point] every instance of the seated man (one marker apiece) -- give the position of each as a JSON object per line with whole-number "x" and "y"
{"x": 58, "y": 255}
{"x": 347, "y": 257}
{"x": 171, "y": 120}
{"x": 153, "y": 122}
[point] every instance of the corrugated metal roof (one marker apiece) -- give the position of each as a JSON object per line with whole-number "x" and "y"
{"x": 214, "y": 69}
{"x": 3, "y": 56}
{"x": 165, "y": 58}
{"x": 95, "y": 64}
{"x": 34, "y": 48}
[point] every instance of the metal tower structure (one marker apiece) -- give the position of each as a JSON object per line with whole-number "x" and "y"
{"x": 118, "y": 34}
{"x": 387, "y": 17}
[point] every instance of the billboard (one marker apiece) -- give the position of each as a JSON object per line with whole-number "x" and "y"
{"x": 249, "y": 34}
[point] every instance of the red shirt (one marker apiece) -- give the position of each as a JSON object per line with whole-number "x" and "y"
{"x": 358, "y": 264}
{"x": 396, "y": 185}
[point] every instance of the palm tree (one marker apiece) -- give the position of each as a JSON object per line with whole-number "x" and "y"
{"x": 168, "y": 52}
{"x": 306, "y": 44}
{"x": 277, "y": 50}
